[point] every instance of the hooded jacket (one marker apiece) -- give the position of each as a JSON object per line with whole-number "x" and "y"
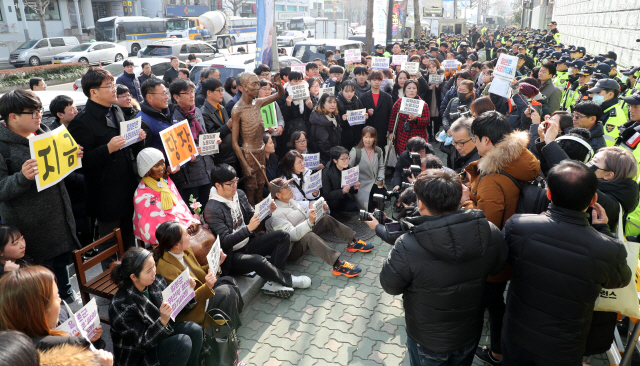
{"x": 362, "y": 89}
{"x": 131, "y": 82}
{"x": 324, "y": 134}
{"x": 494, "y": 193}
{"x": 440, "y": 266}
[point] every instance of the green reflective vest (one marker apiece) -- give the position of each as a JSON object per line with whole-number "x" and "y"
{"x": 615, "y": 119}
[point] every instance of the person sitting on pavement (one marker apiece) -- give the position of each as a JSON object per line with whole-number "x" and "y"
{"x": 440, "y": 266}
{"x": 340, "y": 199}
{"x": 293, "y": 170}
{"x": 304, "y": 228}
{"x": 232, "y": 219}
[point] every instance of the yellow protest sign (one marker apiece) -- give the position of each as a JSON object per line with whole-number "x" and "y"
{"x": 178, "y": 143}
{"x": 57, "y": 155}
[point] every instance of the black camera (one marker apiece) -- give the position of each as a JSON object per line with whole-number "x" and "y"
{"x": 415, "y": 158}
{"x": 405, "y": 185}
{"x": 391, "y": 194}
{"x": 412, "y": 170}
{"x": 463, "y": 111}
{"x": 377, "y": 214}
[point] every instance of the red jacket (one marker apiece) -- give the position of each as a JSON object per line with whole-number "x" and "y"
{"x": 418, "y": 127}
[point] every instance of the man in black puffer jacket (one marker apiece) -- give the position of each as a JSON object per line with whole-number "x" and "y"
{"x": 559, "y": 266}
{"x": 440, "y": 267}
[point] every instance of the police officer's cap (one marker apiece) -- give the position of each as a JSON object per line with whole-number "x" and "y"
{"x": 433, "y": 49}
{"x": 563, "y": 60}
{"x": 578, "y": 64}
{"x": 599, "y": 58}
{"x": 553, "y": 43}
{"x": 498, "y": 40}
{"x": 379, "y": 46}
{"x": 553, "y": 22}
{"x": 610, "y": 54}
{"x": 630, "y": 71}
{"x": 611, "y": 63}
{"x": 604, "y": 84}
{"x": 581, "y": 50}
{"x": 603, "y": 68}
{"x": 521, "y": 56}
{"x": 633, "y": 99}
{"x": 556, "y": 55}
{"x": 586, "y": 70}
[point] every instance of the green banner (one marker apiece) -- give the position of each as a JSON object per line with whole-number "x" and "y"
{"x": 269, "y": 117}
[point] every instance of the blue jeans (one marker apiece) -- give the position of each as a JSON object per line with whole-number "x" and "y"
{"x": 420, "y": 356}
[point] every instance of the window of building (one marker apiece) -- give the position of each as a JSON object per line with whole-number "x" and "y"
{"x": 302, "y": 8}
{"x": 279, "y": 7}
{"x": 291, "y": 8}
{"x": 52, "y": 12}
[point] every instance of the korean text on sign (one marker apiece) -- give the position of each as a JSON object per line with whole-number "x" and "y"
{"x": 57, "y": 155}
{"x": 436, "y": 79}
{"x": 411, "y": 67}
{"x": 298, "y": 67}
{"x": 178, "y": 293}
{"x": 178, "y": 143}
{"x": 329, "y": 90}
{"x": 352, "y": 56}
{"x": 357, "y": 117}
{"x": 263, "y": 208}
{"x": 208, "y": 145}
{"x": 318, "y": 206}
{"x": 350, "y": 177}
{"x": 399, "y": 59}
{"x": 379, "y": 63}
{"x": 269, "y": 116}
{"x": 130, "y": 130}
{"x": 313, "y": 183}
{"x": 213, "y": 258}
{"x": 311, "y": 161}
{"x": 412, "y": 106}
{"x": 299, "y": 92}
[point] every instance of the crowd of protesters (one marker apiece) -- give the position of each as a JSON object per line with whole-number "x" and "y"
{"x": 567, "y": 131}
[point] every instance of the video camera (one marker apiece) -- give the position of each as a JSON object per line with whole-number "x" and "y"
{"x": 377, "y": 214}
{"x": 463, "y": 111}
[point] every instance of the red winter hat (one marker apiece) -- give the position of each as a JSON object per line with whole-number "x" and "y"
{"x": 528, "y": 90}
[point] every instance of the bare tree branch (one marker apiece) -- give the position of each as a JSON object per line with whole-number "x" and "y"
{"x": 39, "y": 7}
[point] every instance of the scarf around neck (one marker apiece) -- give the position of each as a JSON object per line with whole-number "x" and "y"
{"x": 167, "y": 198}
{"x": 194, "y": 124}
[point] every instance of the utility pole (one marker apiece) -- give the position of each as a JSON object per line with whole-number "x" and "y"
{"x": 455, "y": 9}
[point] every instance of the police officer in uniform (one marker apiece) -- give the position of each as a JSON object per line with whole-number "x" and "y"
{"x": 578, "y": 89}
{"x": 605, "y": 93}
{"x": 562, "y": 73}
{"x": 554, "y": 33}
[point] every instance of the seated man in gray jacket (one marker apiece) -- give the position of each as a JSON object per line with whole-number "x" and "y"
{"x": 304, "y": 228}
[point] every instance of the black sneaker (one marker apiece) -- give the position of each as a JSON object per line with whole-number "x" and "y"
{"x": 484, "y": 354}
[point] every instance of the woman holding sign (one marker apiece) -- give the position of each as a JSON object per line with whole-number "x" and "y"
{"x": 370, "y": 158}
{"x": 141, "y": 326}
{"x": 173, "y": 255}
{"x": 398, "y": 88}
{"x": 325, "y": 129}
{"x": 156, "y": 199}
{"x": 339, "y": 198}
{"x": 29, "y": 303}
{"x": 292, "y": 167}
{"x": 412, "y": 121}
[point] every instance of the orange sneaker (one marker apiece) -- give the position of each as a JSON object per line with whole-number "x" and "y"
{"x": 359, "y": 246}
{"x": 346, "y": 269}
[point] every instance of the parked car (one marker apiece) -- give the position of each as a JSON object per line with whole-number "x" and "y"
{"x": 93, "y": 53}
{"x": 181, "y": 48}
{"x": 307, "y": 51}
{"x": 37, "y": 52}
{"x": 288, "y": 38}
{"x": 234, "y": 65}
{"x": 158, "y": 67}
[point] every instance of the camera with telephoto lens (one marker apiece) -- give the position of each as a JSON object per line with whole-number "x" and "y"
{"x": 412, "y": 170}
{"x": 463, "y": 111}
{"x": 377, "y": 214}
{"x": 415, "y": 158}
{"x": 405, "y": 185}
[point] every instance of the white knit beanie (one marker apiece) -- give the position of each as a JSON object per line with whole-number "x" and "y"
{"x": 147, "y": 158}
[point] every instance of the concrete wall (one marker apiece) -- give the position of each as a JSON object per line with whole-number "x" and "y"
{"x": 601, "y": 26}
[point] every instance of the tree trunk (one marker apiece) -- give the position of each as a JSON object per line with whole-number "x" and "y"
{"x": 368, "y": 42}
{"x": 39, "y": 9}
{"x": 417, "y": 34}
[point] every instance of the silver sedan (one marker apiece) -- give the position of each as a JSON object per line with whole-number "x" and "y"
{"x": 288, "y": 38}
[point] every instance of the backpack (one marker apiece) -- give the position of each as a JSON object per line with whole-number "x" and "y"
{"x": 533, "y": 195}
{"x": 359, "y": 154}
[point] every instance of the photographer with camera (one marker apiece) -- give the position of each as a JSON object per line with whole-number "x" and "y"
{"x": 459, "y": 106}
{"x": 441, "y": 263}
{"x": 417, "y": 148}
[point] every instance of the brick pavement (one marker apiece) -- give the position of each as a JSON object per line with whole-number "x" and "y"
{"x": 337, "y": 321}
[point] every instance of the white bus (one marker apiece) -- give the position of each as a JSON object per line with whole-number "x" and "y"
{"x": 135, "y": 33}
{"x": 243, "y": 30}
{"x": 306, "y": 25}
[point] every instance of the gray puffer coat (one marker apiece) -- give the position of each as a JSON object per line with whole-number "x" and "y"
{"x": 44, "y": 218}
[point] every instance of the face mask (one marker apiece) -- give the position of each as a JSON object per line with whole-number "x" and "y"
{"x": 599, "y": 99}
{"x": 462, "y": 96}
{"x": 571, "y": 70}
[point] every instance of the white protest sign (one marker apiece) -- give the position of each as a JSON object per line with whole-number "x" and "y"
{"x": 299, "y": 92}
{"x": 506, "y": 67}
{"x": 311, "y": 161}
{"x": 350, "y": 177}
{"x": 263, "y": 208}
{"x": 298, "y": 67}
{"x": 313, "y": 183}
{"x": 352, "y": 56}
{"x": 356, "y": 117}
{"x": 411, "y": 67}
{"x": 85, "y": 321}
{"x": 450, "y": 64}
{"x": 178, "y": 293}
{"x": 436, "y": 79}
{"x": 330, "y": 90}
{"x": 379, "y": 63}
{"x": 399, "y": 59}
{"x": 500, "y": 86}
{"x": 130, "y": 130}
{"x": 412, "y": 106}
{"x": 207, "y": 143}
{"x": 213, "y": 257}
{"x": 318, "y": 206}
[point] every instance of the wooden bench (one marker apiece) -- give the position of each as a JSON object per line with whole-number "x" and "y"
{"x": 101, "y": 285}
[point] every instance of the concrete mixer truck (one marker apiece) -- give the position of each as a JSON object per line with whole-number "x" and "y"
{"x": 211, "y": 26}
